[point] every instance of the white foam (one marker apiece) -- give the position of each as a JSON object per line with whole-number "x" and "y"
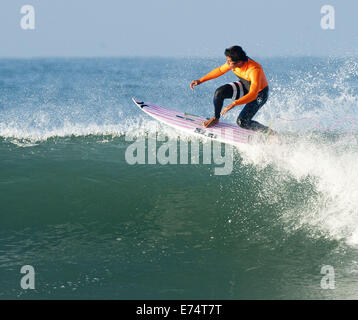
{"x": 333, "y": 169}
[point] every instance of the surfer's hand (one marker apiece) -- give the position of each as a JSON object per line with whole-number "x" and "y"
{"x": 226, "y": 109}
{"x": 194, "y": 83}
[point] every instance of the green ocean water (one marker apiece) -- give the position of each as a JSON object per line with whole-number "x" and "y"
{"x": 95, "y": 227}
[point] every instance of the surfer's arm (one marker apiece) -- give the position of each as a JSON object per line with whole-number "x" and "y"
{"x": 215, "y": 73}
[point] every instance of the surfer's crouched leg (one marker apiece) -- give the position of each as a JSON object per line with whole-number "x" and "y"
{"x": 221, "y": 93}
{"x": 248, "y": 112}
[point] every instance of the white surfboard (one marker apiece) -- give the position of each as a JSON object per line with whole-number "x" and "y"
{"x": 192, "y": 124}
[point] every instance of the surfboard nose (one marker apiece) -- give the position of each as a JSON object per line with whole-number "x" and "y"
{"x": 137, "y": 102}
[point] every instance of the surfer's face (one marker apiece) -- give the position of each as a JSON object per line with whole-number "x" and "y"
{"x": 233, "y": 64}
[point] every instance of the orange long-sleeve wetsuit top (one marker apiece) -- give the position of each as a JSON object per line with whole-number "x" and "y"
{"x": 250, "y": 74}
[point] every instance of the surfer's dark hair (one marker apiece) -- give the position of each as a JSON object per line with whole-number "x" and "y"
{"x": 236, "y": 54}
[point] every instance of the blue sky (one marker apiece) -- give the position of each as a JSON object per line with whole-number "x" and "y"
{"x": 177, "y": 28}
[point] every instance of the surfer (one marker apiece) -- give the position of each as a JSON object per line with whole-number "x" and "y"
{"x": 251, "y": 89}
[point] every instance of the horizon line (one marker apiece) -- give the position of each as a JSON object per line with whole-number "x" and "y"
{"x": 168, "y": 56}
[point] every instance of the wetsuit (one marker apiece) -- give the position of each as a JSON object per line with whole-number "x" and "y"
{"x": 251, "y": 89}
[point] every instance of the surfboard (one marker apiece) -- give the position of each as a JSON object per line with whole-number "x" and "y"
{"x": 193, "y": 124}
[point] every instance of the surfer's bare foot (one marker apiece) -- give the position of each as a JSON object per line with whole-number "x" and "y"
{"x": 211, "y": 122}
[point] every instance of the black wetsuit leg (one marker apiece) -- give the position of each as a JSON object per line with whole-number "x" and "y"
{"x": 226, "y": 92}
{"x": 222, "y": 93}
{"x": 250, "y": 109}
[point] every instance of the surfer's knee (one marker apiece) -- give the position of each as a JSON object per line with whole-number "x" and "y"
{"x": 222, "y": 93}
{"x": 218, "y": 93}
